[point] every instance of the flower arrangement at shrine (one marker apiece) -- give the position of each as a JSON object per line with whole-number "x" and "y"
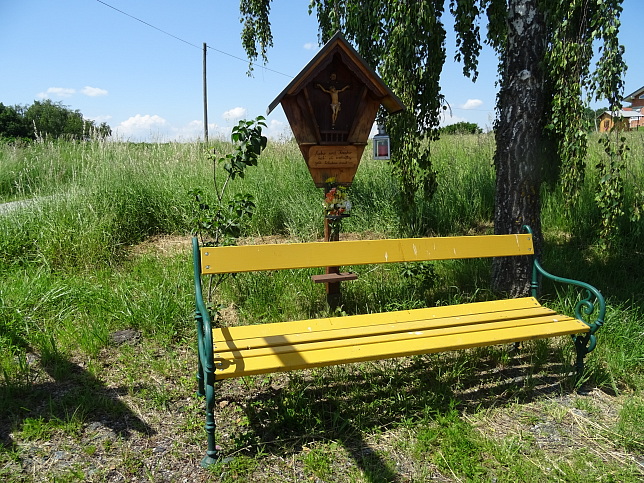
{"x": 336, "y": 201}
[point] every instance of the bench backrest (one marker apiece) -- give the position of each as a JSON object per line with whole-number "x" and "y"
{"x": 249, "y": 258}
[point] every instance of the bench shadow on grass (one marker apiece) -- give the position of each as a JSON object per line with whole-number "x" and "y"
{"x": 69, "y": 402}
{"x": 343, "y": 404}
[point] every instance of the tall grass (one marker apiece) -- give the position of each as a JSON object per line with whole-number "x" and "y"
{"x": 465, "y": 196}
{"x": 90, "y": 200}
{"x": 65, "y": 255}
{"x": 119, "y": 193}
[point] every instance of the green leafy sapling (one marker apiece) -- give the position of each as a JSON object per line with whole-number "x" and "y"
{"x": 221, "y": 221}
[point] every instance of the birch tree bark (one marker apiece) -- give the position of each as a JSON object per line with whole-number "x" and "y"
{"x": 519, "y": 155}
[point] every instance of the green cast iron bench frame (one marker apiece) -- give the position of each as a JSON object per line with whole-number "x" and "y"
{"x": 227, "y": 352}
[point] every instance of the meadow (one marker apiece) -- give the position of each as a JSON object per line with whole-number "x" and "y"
{"x": 97, "y": 353}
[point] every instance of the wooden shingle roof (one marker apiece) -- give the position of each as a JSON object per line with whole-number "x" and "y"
{"x": 353, "y": 60}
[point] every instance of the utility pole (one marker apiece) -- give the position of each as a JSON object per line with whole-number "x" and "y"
{"x": 205, "y": 97}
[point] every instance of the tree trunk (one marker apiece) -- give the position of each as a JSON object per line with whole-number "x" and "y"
{"x": 519, "y": 149}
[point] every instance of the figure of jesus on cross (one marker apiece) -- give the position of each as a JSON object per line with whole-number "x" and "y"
{"x": 335, "y": 100}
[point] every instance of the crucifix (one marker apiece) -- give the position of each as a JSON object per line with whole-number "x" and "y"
{"x": 335, "y": 99}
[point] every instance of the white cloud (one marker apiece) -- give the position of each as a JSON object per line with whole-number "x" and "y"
{"x": 93, "y": 91}
{"x": 146, "y": 127}
{"x": 472, "y": 104}
{"x": 310, "y": 46}
{"x": 65, "y": 92}
{"x": 275, "y": 130}
{"x": 153, "y": 128}
{"x": 60, "y": 92}
{"x": 192, "y": 131}
{"x": 278, "y": 130}
{"x": 234, "y": 114}
{"x": 139, "y": 121}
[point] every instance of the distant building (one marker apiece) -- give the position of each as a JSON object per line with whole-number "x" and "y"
{"x": 636, "y": 98}
{"x": 626, "y": 119}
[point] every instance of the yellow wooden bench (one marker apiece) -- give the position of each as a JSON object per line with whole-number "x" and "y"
{"x": 226, "y": 352}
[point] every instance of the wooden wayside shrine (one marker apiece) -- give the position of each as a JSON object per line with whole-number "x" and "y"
{"x": 331, "y": 106}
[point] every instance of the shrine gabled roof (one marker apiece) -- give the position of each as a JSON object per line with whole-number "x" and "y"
{"x": 355, "y": 62}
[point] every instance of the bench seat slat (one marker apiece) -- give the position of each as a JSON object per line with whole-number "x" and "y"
{"x": 377, "y": 338}
{"x": 366, "y": 320}
{"x": 360, "y": 353}
{"x": 316, "y": 353}
{"x": 249, "y": 258}
{"x": 226, "y": 341}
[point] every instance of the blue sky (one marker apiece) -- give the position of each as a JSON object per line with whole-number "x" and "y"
{"x": 147, "y": 85}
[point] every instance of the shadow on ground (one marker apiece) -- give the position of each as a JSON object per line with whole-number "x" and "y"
{"x": 345, "y": 403}
{"x": 72, "y": 399}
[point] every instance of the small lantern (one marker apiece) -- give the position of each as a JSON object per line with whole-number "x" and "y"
{"x": 381, "y": 144}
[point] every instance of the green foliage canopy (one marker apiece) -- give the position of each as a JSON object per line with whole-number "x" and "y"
{"x": 574, "y": 26}
{"x": 48, "y": 119}
{"x": 404, "y": 40}
{"x": 12, "y": 122}
{"x": 461, "y": 128}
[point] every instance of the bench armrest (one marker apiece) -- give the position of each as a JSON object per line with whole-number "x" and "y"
{"x": 592, "y": 305}
{"x": 586, "y": 306}
{"x": 202, "y": 317}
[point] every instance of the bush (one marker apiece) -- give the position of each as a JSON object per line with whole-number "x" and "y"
{"x": 461, "y": 128}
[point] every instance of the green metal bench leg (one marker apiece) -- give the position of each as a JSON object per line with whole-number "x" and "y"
{"x": 580, "y": 346}
{"x": 200, "y": 390}
{"x": 583, "y": 345}
{"x": 212, "y": 455}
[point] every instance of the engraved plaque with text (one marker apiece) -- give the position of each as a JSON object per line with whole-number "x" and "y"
{"x": 321, "y": 157}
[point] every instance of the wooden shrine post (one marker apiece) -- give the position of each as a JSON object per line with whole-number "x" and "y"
{"x": 331, "y": 106}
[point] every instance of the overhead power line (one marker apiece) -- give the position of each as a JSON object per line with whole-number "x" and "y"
{"x": 190, "y": 43}
{"x": 149, "y": 25}
{"x": 252, "y": 63}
